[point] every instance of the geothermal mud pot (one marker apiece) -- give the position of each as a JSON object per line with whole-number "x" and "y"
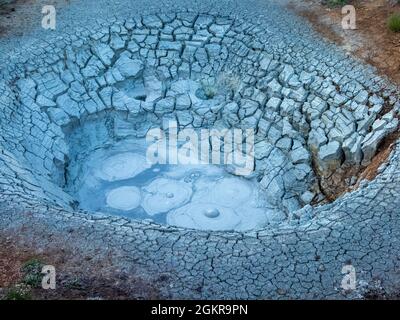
{"x": 76, "y": 108}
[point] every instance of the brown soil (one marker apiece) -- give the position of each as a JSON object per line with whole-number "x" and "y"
{"x": 339, "y": 182}
{"x": 372, "y": 42}
{"x": 10, "y": 263}
{"x": 77, "y": 278}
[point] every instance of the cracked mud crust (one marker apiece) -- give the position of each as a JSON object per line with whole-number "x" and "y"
{"x": 303, "y": 256}
{"x": 371, "y": 42}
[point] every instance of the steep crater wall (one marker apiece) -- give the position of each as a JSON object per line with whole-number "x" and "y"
{"x": 201, "y": 71}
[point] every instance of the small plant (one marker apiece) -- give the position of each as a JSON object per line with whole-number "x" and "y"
{"x": 394, "y": 22}
{"x": 208, "y": 90}
{"x": 75, "y": 284}
{"x": 335, "y": 3}
{"x": 19, "y": 292}
{"x": 32, "y": 271}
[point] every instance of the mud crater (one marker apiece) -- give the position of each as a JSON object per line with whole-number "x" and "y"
{"x": 91, "y": 108}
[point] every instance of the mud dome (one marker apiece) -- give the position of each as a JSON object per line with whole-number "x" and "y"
{"x": 83, "y": 116}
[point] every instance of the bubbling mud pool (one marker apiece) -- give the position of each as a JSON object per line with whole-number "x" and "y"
{"x": 120, "y": 181}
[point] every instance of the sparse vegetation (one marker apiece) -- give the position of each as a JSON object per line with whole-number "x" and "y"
{"x": 394, "y": 22}
{"x": 19, "y": 292}
{"x": 32, "y": 271}
{"x": 336, "y": 3}
{"x": 75, "y": 284}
